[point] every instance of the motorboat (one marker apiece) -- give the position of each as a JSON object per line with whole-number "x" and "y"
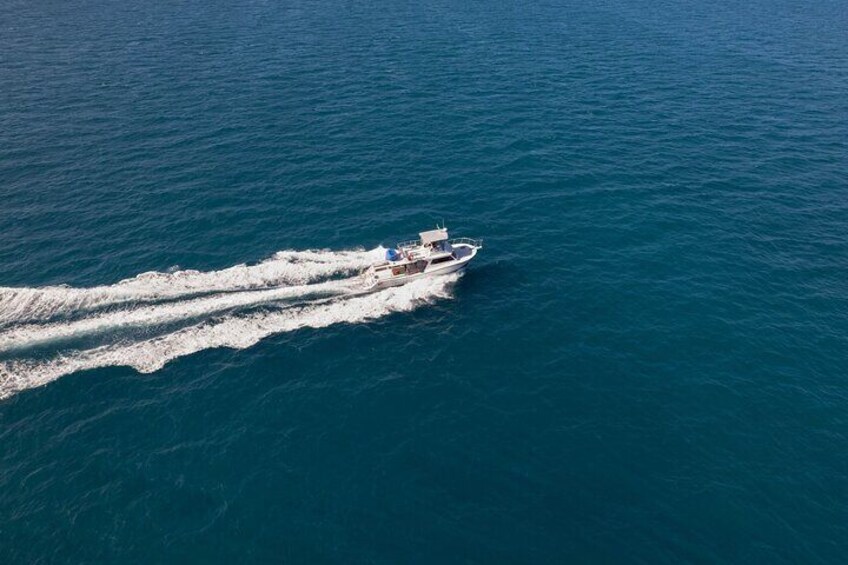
{"x": 434, "y": 253}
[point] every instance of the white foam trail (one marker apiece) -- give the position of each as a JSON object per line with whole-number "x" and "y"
{"x": 232, "y": 331}
{"x": 31, "y": 335}
{"x": 284, "y": 268}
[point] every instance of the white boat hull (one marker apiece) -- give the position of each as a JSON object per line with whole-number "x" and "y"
{"x": 455, "y": 266}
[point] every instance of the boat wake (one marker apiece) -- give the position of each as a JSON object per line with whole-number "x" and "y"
{"x": 151, "y": 319}
{"x": 284, "y": 268}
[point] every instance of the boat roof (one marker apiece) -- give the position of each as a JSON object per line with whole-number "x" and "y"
{"x": 433, "y": 236}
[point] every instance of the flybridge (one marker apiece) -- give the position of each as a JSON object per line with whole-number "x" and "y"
{"x": 433, "y": 236}
{"x": 435, "y": 239}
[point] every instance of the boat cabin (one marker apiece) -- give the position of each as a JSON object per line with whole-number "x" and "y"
{"x": 433, "y": 252}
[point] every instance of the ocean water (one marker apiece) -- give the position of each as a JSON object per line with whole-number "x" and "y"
{"x": 645, "y": 364}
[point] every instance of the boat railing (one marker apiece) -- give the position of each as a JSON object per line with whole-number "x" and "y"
{"x": 409, "y": 243}
{"x": 466, "y": 241}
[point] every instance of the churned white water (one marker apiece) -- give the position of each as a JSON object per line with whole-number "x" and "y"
{"x": 202, "y": 311}
{"x": 283, "y": 268}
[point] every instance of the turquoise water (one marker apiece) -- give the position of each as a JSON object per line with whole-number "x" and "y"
{"x": 646, "y": 363}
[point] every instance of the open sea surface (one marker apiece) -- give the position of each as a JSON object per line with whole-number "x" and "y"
{"x": 647, "y": 363}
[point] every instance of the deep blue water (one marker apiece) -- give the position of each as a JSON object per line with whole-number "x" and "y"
{"x": 647, "y": 362}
